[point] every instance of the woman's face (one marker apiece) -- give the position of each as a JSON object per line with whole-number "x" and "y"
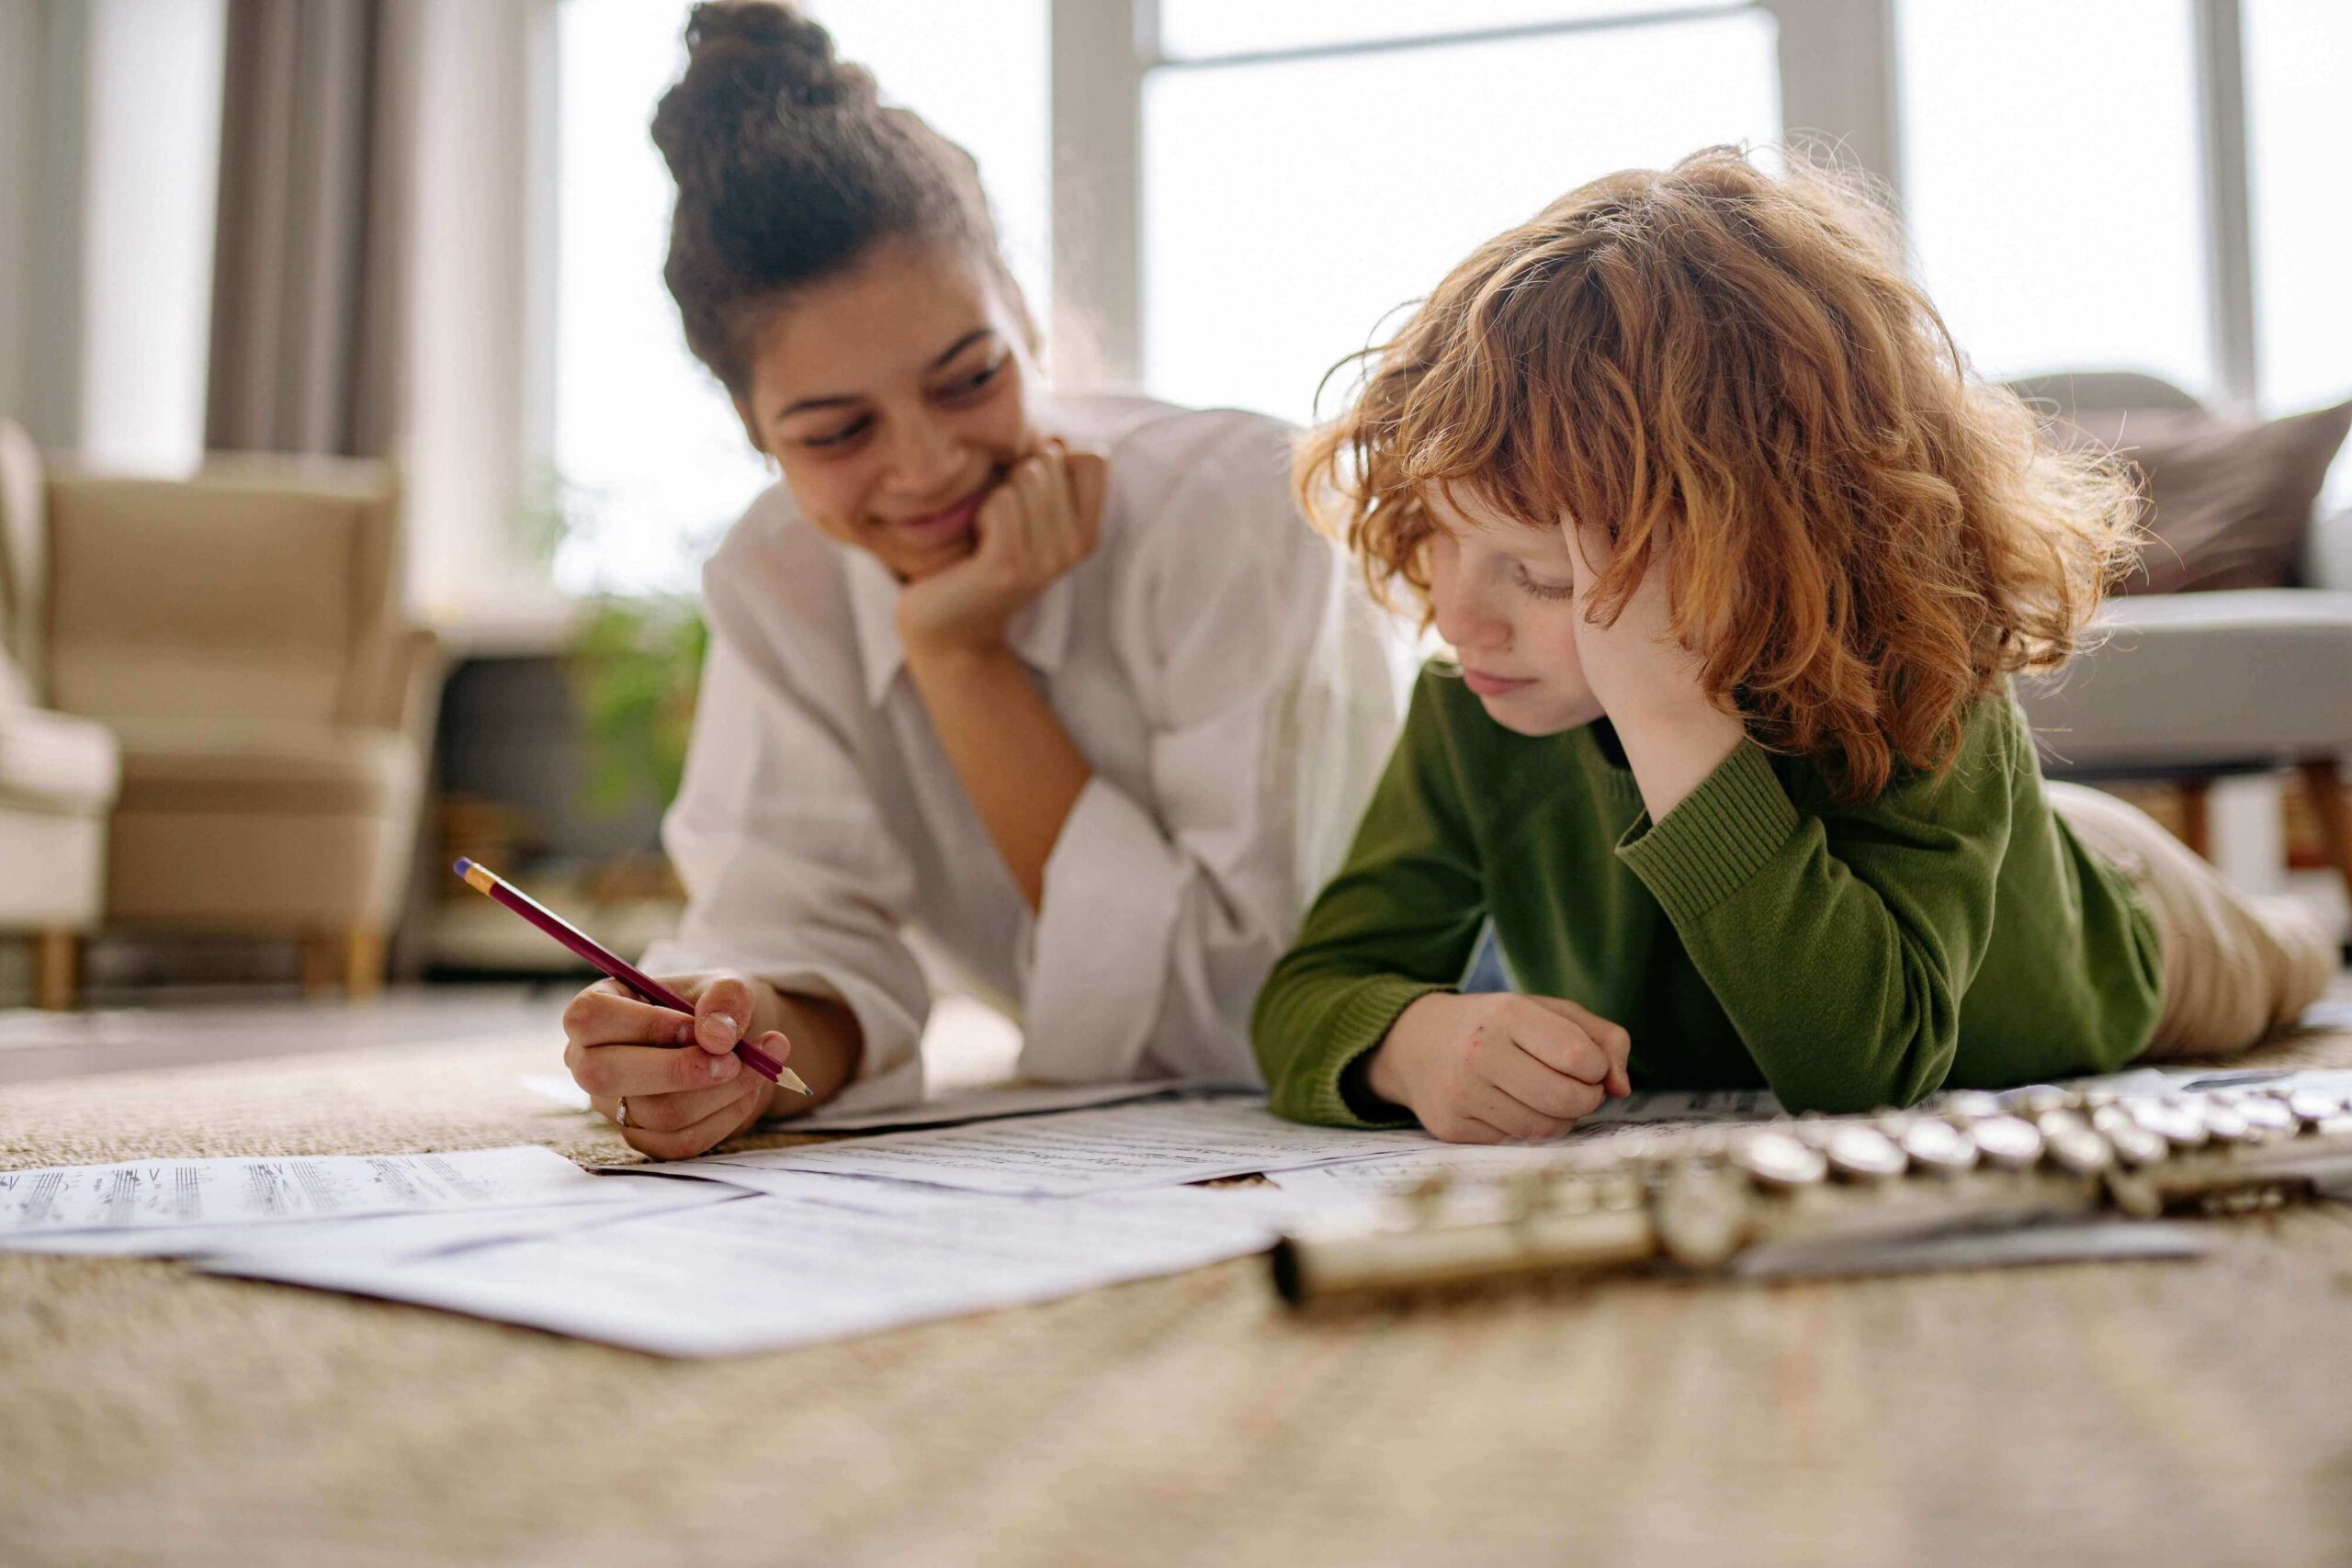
{"x": 894, "y": 398}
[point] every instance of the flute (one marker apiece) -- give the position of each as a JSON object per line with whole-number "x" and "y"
{"x": 1696, "y": 1197}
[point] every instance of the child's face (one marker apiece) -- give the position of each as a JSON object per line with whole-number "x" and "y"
{"x": 1503, "y": 594}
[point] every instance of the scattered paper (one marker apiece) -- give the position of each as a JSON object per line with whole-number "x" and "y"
{"x": 396, "y": 1235}
{"x": 841, "y": 1257}
{"x": 145, "y": 1195}
{"x": 953, "y": 1109}
{"x": 1114, "y": 1149}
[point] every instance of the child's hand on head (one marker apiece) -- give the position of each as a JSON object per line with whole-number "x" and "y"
{"x": 1500, "y": 1068}
{"x": 1636, "y": 666}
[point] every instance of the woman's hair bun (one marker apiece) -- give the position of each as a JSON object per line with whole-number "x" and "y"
{"x": 749, "y": 61}
{"x": 789, "y": 169}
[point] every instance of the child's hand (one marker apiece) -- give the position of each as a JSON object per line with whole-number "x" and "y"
{"x": 1636, "y": 666}
{"x": 1041, "y": 522}
{"x": 1498, "y": 1068}
{"x": 1648, "y": 683}
{"x": 684, "y": 1088}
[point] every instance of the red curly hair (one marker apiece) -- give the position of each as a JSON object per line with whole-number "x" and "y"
{"x": 1733, "y": 372}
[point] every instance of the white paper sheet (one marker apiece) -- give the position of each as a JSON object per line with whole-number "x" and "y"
{"x": 410, "y": 1235}
{"x": 142, "y": 1195}
{"x": 948, "y": 1110}
{"x": 841, "y": 1258}
{"x": 1115, "y": 1149}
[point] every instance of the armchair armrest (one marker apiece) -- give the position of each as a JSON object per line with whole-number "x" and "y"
{"x": 411, "y": 683}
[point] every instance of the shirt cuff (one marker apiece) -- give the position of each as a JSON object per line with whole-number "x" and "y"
{"x": 1722, "y": 834}
{"x": 1100, "y": 946}
{"x": 1313, "y": 1091}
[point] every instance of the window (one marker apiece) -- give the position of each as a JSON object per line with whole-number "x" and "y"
{"x": 2051, "y": 181}
{"x": 2297, "y": 60}
{"x": 1292, "y": 204}
{"x": 651, "y": 460}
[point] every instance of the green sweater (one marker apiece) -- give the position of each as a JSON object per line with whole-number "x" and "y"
{"x": 1950, "y": 933}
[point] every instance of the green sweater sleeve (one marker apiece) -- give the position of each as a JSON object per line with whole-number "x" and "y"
{"x": 1397, "y": 922}
{"x": 1840, "y": 941}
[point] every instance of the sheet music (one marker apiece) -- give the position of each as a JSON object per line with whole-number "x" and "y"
{"x": 149, "y": 1194}
{"x": 839, "y": 1258}
{"x": 1115, "y": 1149}
{"x": 398, "y": 1234}
{"x": 951, "y": 1110}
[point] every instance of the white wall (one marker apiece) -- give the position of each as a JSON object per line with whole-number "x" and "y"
{"x": 153, "y": 163}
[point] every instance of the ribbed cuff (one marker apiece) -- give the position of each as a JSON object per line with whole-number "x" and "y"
{"x": 1355, "y": 1027}
{"x": 1720, "y": 835}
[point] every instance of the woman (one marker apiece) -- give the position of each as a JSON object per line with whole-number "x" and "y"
{"x": 1051, "y": 680}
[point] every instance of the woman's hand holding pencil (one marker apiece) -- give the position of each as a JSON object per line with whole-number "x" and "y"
{"x": 684, "y": 1088}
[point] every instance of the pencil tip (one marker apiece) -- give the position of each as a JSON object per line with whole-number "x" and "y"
{"x": 463, "y": 865}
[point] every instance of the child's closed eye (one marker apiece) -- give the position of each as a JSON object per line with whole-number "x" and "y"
{"x": 1539, "y": 587}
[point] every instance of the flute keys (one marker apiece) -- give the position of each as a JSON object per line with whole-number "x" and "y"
{"x": 2035, "y": 1098}
{"x": 2074, "y": 1147}
{"x": 2224, "y": 1123}
{"x": 1775, "y": 1159}
{"x": 2267, "y": 1117}
{"x": 2313, "y": 1106}
{"x": 2133, "y": 1144}
{"x": 2175, "y": 1121}
{"x": 2008, "y": 1142}
{"x": 1938, "y": 1146}
{"x": 1864, "y": 1153}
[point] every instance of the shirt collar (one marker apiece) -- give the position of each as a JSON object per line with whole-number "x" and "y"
{"x": 1038, "y": 635}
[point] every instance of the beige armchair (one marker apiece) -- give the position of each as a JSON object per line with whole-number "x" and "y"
{"x": 58, "y": 775}
{"x": 241, "y": 634}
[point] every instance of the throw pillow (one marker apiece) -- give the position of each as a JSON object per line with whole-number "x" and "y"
{"x": 2230, "y": 503}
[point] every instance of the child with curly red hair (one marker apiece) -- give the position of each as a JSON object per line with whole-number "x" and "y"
{"x": 1736, "y": 559}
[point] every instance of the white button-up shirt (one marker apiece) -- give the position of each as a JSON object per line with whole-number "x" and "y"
{"x": 1216, "y": 667}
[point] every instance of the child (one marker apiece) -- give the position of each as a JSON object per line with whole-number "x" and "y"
{"x": 1738, "y": 559}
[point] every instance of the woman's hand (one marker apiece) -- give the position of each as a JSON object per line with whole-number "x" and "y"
{"x": 1498, "y": 1067}
{"x": 686, "y": 1091}
{"x": 1647, "y": 683}
{"x": 1042, "y": 521}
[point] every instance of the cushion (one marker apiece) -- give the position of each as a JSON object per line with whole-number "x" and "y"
{"x": 2230, "y": 502}
{"x": 2190, "y": 680}
{"x": 54, "y": 762}
{"x": 264, "y": 767}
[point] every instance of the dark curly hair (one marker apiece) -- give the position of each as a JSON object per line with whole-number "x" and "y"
{"x": 790, "y": 170}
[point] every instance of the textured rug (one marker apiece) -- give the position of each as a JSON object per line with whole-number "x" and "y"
{"x": 2144, "y": 1413}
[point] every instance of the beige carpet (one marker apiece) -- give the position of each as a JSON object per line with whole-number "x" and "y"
{"x": 2145, "y": 1413}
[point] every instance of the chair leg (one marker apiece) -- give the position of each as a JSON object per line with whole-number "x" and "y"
{"x": 57, "y": 960}
{"x": 2197, "y": 816}
{"x": 2325, "y": 780}
{"x": 363, "y": 961}
{"x": 321, "y": 965}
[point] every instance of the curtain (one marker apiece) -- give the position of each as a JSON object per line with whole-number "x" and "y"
{"x": 310, "y": 244}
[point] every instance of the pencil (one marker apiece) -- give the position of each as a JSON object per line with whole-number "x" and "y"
{"x": 483, "y": 880}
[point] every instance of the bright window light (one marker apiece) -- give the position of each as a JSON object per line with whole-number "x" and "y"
{"x": 2051, "y": 173}
{"x": 1290, "y": 207}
